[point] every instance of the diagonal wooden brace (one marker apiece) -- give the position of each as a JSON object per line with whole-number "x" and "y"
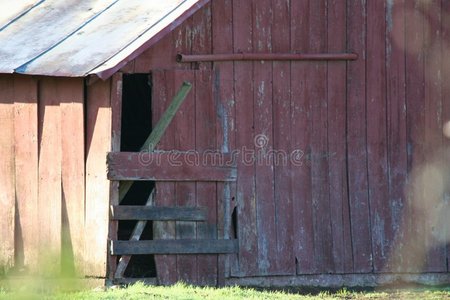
{"x": 158, "y": 131}
{"x": 149, "y": 145}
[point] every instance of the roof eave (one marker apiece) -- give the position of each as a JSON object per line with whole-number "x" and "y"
{"x": 105, "y": 73}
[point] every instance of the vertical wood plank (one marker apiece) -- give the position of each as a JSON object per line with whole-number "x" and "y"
{"x": 185, "y": 192}
{"x": 319, "y": 155}
{"x": 396, "y": 129}
{"x": 162, "y": 93}
{"x": 415, "y": 260}
{"x": 98, "y": 143}
{"x": 222, "y": 34}
{"x": 337, "y": 148}
{"x": 356, "y": 138}
{"x": 7, "y": 174}
{"x": 185, "y": 140}
{"x": 300, "y": 140}
{"x": 205, "y": 137}
{"x": 380, "y": 214}
{"x": 184, "y": 135}
{"x": 283, "y": 197}
{"x": 50, "y": 158}
{"x": 26, "y": 166}
{"x": 433, "y": 194}
{"x": 71, "y": 95}
{"x": 243, "y": 88}
{"x": 116, "y": 127}
{"x": 263, "y": 122}
{"x": 446, "y": 94}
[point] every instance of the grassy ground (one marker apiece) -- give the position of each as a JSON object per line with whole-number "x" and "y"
{"x": 185, "y": 292}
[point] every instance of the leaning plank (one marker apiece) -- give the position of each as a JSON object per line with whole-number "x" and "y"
{"x": 129, "y": 212}
{"x": 7, "y": 173}
{"x": 174, "y": 247}
{"x": 149, "y": 145}
{"x": 169, "y": 166}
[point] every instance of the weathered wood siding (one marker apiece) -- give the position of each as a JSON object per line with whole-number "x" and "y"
{"x": 342, "y": 166}
{"x": 47, "y": 223}
{"x": 363, "y": 135}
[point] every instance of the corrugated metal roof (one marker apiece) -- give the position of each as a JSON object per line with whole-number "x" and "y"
{"x": 82, "y": 37}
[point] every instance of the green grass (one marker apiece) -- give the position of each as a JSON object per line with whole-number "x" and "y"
{"x": 37, "y": 290}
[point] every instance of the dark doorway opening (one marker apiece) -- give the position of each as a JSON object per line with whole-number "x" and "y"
{"x": 136, "y": 127}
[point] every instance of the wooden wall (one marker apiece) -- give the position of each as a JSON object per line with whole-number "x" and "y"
{"x": 368, "y": 189}
{"x": 369, "y": 132}
{"x": 51, "y": 149}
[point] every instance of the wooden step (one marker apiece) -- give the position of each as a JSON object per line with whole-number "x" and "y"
{"x": 174, "y": 247}
{"x": 147, "y": 213}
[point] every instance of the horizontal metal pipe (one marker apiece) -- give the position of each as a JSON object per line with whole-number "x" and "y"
{"x": 186, "y": 58}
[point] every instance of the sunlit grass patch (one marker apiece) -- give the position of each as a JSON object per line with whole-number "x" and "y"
{"x": 181, "y": 291}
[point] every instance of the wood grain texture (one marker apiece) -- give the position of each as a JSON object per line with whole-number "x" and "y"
{"x": 337, "y": 146}
{"x": 356, "y": 139}
{"x": 282, "y": 131}
{"x": 185, "y": 192}
{"x": 116, "y": 128}
{"x": 414, "y": 36}
{"x": 263, "y": 140}
{"x": 301, "y": 141}
{"x": 246, "y": 192}
{"x": 433, "y": 60}
{"x": 7, "y": 174}
{"x": 205, "y": 139}
{"x": 26, "y": 166}
{"x": 222, "y": 34}
{"x": 162, "y": 94}
{"x": 169, "y": 166}
{"x": 381, "y": 218}
{"x": 50, "y": 159}
{"x": 319, "y": 155}
{"x": 127, "y": 212}
{"x": 71, "y": 96}
{"x": 446, "y": 93}
{"x": 98, "y": 144}
{"x": 180, "y": 246}
{"x": 396, "y": 129}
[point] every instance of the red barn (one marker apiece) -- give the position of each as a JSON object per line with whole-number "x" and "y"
{"x": 306, "y": 145}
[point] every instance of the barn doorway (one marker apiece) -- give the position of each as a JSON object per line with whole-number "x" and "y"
{"x": 136, "y": 127}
